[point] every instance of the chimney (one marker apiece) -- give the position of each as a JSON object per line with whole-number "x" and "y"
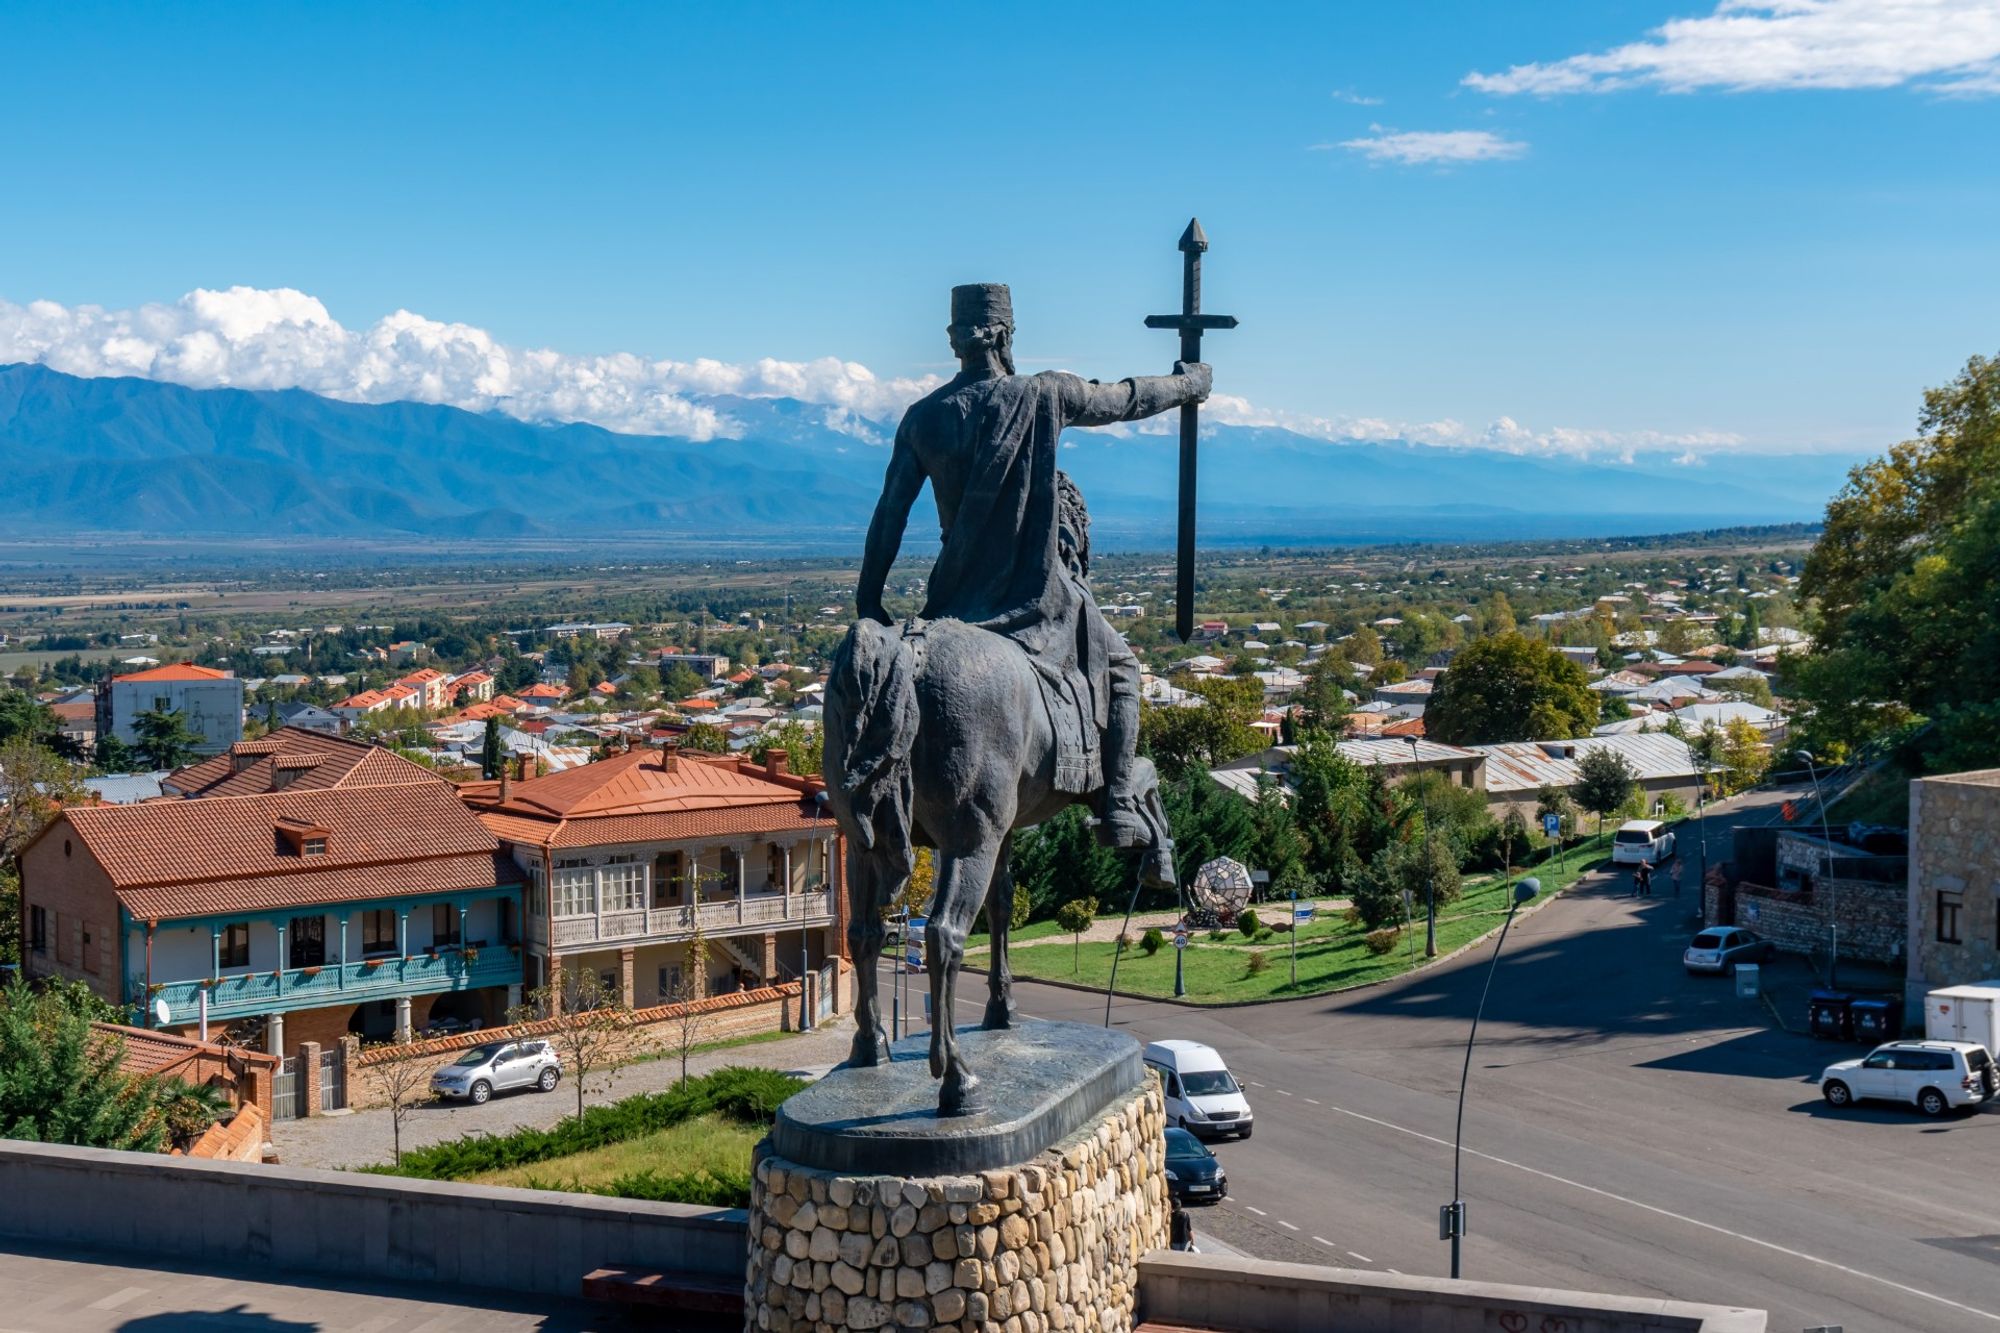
{"x": 777, "y": 762}
{"x": 668, "y": 754}
{"x": 506, "y": 781}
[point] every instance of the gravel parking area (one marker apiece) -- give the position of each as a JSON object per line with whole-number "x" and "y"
{"x": 364, "y": 1138}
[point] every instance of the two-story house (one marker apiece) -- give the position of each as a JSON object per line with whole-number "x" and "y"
{"x": 208, "y": 700}
{"x": 304, "y": 887}
{"x": 626, "y": 857}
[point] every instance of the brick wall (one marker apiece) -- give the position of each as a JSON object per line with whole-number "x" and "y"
{"x": 247, "y": 1074}
{"x": 240, "y": 1138}
{"x": 1870, "y": 915}
{"x": 61, "y": 878}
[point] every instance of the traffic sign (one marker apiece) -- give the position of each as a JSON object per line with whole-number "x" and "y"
{"x": 1180, "y": 939}
{"x": 1552, "y": 826}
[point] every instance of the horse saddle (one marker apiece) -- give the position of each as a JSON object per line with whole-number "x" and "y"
{"x": 1068, "y": 702}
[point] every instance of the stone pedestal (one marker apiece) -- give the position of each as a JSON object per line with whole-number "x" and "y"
{"x": 1047, "y": 1242}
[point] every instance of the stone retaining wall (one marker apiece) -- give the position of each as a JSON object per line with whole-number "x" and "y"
{"x": 1052, "y": 1244}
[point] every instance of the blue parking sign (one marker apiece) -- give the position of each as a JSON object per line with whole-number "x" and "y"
{"x": 1552, "y": 826}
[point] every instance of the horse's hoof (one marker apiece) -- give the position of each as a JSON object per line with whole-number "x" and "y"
{"x": 959, "y": 1094}
{"x": 869, "y": 1050}
{"x": 999, "y": 1015}
{"x": 937, "y": 1055}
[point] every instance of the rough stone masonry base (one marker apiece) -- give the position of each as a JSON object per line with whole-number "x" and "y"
{"x": 1051, "y": 1244}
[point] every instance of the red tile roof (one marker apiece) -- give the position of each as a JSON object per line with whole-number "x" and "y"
{"x": 632, "y": 798}
{"x": 176, "y": 671}
{"x": 330, "y": 761}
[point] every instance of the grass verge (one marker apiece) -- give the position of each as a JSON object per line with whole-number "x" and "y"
{"x": 703, "y": 1160}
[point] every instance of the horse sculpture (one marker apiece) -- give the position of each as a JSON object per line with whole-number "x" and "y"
{"x": 937, "y": 735}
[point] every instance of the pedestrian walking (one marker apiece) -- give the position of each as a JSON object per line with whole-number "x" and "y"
{"x": 1642, "y": 881}
{"x": 1674, "y": 876}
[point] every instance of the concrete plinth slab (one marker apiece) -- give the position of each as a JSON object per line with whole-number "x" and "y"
{"x": 1040, "y": 1082}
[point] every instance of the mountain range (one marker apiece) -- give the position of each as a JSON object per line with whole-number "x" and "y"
{"x": 134, "y": 456}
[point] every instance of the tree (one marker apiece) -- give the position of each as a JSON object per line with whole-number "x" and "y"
{"x": 1745, "y": 756}
{"x": 1901, "y": 585}
{"x": 1363, "y": 646}
{"x": 1681, "y": 636}
{"x": 1424, "y": 868}
{"x": 1339, "y": 808}
{"x": 679, "y": 682}
{"x": 1207, "y": 822}
{"x": 1553, "y": 800}
{"x": 1208, "y": 735}
{"x": 1076, "y": 916}
{"x": 490, "y": 755}
{"x": 114, "y": 756}
{"x": 1496, "y": 617}
{"x": 590, "y": 1024}
{"x": 1750, "y": 689}
{"x": 1604, "y": 781}
{"x": 164, "y": 738}
{"x": 402, "y": 1077}
{"x": 1512, "y": 836}
{"x": 62, "y": 1081}
{"x": 34, "y": 784}
{"x": 689, "y": 1021}
{"x": 1277, "y": 847}
{"x": 1510, "y": 688}
{"x": 915, "y": 898}
{"x": 705, "y": 738}
{"x": 799, "y": 742}
{"x": 1323, "y": 700}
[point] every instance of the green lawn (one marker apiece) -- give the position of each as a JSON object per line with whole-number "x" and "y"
{"x": 1331, "y": 953}
{"x": 710, "y": 1145}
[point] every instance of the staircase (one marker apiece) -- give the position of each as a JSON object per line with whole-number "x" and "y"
{"x": 754, "y": 962}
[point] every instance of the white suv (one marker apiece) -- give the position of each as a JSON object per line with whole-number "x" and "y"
{"x": 1933, "y": 1076}
{"x": 496, "y": 1067}
{"x": 1642, "y": 842}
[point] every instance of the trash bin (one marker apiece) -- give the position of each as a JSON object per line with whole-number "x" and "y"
{"x": 1829, "y": 1014}
{"x": 1747, "y": 981}
{"x": 1877, "y": 1018}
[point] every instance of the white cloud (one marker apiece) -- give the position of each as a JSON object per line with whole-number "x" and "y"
{"x": 1946, "y": 46}
{"x": 1352, "y": 98}
{"x": 1504, "y": 434}
{"x": 283, "y": 339}
{"x": 248, "y": 338}
{"x": 1419, "y": 147}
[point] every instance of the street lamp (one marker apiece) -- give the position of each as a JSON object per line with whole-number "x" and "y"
{"x": 1826, "y": 871}
{"x": 1430, "y": 875}
{"x": 805, "y": 955}
{"x": 1451, "y": 1217}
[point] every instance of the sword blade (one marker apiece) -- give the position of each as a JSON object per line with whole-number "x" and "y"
{"x": 1184, "y": 553}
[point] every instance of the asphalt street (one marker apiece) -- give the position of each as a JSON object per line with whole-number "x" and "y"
{"x": 1629, "y": 1129}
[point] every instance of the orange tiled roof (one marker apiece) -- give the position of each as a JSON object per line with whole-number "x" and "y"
{"x": 479, "y": 712}
{"x": 631, "y": 797}
{"x": 544, "y": 692}
{"x": 508, "y": 702}
{"x": 176, "y": 671}
{"x": 473, "y": 678}
{"x": 335, "y": 761}
{"x": 421, "y": 677}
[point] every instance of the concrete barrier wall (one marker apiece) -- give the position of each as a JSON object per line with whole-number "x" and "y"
{"x": 1232, "y": 1295}
{"x": 351, "y": 1225}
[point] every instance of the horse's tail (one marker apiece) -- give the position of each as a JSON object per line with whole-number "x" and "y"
{"x": 872, "y": 709}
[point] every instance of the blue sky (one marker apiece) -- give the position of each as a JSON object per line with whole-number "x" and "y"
{"x": 1774, "y": 230}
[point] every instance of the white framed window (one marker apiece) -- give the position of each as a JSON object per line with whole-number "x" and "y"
{"x": 624, "y": 885}
{"x": 574, "y": 893}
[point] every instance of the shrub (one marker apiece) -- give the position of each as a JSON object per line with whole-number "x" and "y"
{"x": 1246, "y": 921}
{"x": 1124, "y": 941}
{"x": 1218, "y": 934}
{"x": 1381, "y": 941}
{"x": 1282, "y": 925}
{"x": 1152, "y": 941}
{"x": 1352, "y": 916}
{"x": 1256, "y": 963}
{"x": 1263, "y": 933}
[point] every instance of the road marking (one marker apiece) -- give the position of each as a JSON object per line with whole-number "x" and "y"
{"x": 1311, "y": 1102}
{"x": 1324, "y": 1241}
{"x": 1259, "y": 1211}
{"x": 1362, "y": 1257}
{"x": 1286, "y": 1225}
{"x": 1658, "y": 1211}
{"x": 1283, "y": 1093}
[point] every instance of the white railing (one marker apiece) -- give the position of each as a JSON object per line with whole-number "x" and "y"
{"x": 717, "y": 917}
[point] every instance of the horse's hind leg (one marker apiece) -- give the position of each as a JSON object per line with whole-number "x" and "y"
{"x": 999, "y": 920}
{"x": 867, "y": 894}
{"x": 962, "y": 882}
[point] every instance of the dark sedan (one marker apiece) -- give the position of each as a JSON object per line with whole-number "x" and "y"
{"x": 1194, "y": 1174}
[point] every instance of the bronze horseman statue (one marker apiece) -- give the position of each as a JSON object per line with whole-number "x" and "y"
{"x": 1008, "y": 697}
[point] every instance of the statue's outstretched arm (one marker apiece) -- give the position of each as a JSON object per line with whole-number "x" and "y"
{"x": 1090, "y": 403}
{"x": 900, "y": 488}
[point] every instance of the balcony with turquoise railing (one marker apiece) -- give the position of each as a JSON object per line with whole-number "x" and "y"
{"x": 271, "y": 992}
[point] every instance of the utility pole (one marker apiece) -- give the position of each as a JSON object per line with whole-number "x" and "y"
{"x": 1430, "y": 876}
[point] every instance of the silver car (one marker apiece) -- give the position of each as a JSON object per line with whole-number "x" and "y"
{"x": 1721, "y": 948}
{"x": 498, "y": 1066}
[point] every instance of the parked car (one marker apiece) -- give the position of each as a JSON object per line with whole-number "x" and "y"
{"x": 1642, "y": 842}
{"x": 498, "y": 1066}
{"x": 1194, "y": 1172}
{"x": 1202, "y": 1095}
{"x": 1721, "y": 948}
{"x": 1933, "y": 1076}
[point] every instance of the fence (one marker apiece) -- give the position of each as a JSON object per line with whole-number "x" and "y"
{"x": 286, "y": 1090}
{"x": 332, "y": 1080}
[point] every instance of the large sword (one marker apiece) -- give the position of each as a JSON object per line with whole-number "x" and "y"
{"x": 1190, "y": 322}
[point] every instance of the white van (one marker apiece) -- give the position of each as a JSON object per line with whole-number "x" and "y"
{"x": 1202, "y": 1095}
{"x": 1642, "y": 842}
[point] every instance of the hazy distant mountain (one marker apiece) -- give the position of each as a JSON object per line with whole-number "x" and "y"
{"x": 138, "y": 456}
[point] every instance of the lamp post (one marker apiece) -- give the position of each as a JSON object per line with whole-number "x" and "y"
{"x": 805, "y": 954}
{"x": 1451, "y": 1217}
{"x": 1430, "y": 876}
{"x": 1826, "y": 872}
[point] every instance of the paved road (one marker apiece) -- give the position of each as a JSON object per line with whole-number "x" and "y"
{"x": 1630, "y": 1129}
